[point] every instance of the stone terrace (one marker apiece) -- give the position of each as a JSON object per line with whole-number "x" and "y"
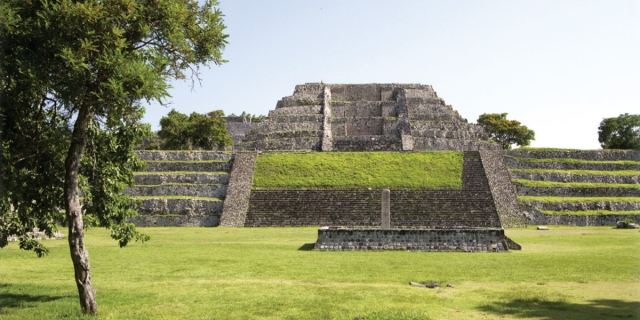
{"x": 608, "y": 184}
{"x": 181, "y": 188}
{"x": 364, "y": 117}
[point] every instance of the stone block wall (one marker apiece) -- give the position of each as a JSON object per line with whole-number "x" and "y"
{"x": 237, "y": 199}
{"x": 451, "y": 240}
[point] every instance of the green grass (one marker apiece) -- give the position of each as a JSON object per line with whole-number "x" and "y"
{"x": 570, "y": 160}
{"x": 359, "y": 170}
{"x": 591, "y": 172}
{"x": 268, "y": 273}
{"x": 578, "y": 199}
{"x": 590, "y": 212}
{"x": 178, "y": 172}
{"x": 553, "y": 184}
{"x": 176, "y": 197}
{"x": 177, "y": 184}
{"x": 546, "y": 149}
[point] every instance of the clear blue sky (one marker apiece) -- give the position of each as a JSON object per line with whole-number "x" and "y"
{"x": 559, "y": 67}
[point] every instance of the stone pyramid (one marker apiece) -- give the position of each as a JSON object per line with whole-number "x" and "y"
{"x": 364, "y": 117}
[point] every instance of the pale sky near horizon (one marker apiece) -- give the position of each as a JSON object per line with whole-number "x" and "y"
{"x": 559, "y": 67}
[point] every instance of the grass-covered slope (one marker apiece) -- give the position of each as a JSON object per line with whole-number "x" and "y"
{"x": 269, "y": 273}
{"x": 414, "y": 170}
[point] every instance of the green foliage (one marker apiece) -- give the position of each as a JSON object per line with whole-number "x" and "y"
{"x": 622, "y": 132}
{"x": 505, "y": 132}
{"x": 179, "y": 131}
{"x": 359, "y": 170}
{"x": 263, "y": 273}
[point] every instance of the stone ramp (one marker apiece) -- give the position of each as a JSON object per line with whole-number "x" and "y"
{"x": 576, "y": 187}
{"x": 181, "y": 188}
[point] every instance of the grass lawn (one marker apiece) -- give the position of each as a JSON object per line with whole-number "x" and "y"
{"x": 270, "y": 273}
{"x": 578, "y": 199}
{"x": 581, "y": 172}
{"x": 441, "y": 169}
{"x": 571, "y": 160}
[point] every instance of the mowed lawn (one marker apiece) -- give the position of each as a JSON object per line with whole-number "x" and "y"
{"x": 256, "y": 273}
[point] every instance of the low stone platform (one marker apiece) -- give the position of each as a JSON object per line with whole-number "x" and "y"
{"x": 434, "y": 240}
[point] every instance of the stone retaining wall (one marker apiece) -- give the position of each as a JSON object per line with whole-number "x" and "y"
{"x": 188, "y": 166}
{"x": 460, "y": 240}
{"x": 536, "y": 217}
{"x": 191, "y": 207}
{"x": 194, "y": 178}
{"x": 183, "y": 155}
{"x": 175, "y": 221}
{"x": 568, "y": 177}
{"x": 576, "y": 192}
{"x": 583, "y": 206}
{"x": 196, "y": 190}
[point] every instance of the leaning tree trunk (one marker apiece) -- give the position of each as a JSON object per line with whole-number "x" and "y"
{"x": 79, "y": 254}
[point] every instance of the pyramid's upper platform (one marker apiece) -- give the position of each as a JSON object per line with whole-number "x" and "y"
{"x": 359, "y": 117}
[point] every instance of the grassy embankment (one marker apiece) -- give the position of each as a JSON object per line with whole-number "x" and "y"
{"x": 571, "y": 160}
{"x": 578, "y": 199}
{"x": 581, "y": 172}
{"x": 553, "y": 184}
{"x": 359, "y": 170}
{"x": 269, "y": 273}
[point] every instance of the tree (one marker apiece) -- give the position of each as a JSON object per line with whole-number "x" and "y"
{"x": 72, "y": 76}
{"x": 204, "y": 131}
{"x": 622, "y": 132}
{"x": 505, "y": 132}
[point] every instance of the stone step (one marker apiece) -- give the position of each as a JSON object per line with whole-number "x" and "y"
{"x": 289, "y": 134}
{"x": 515, "y": 164}
{"x": 195, "y": 166}
{"x": 314, "y": 109}
{"x": 576, "y": 192}
{"x": 175, "y": 221}
{"x": 607, "y": 155}
{"x": 281, "y": 144}
{"x": 180, "y": 206}
{"x": 367, "y": 143}
{"x": 614, "y": 206}
{"x": 434, "y": 117}
{"x": 183, "y": 155}
{"x": 297, "y": 118}
{"x": 446, "y": 134}
{"x": 422, "y": 143}
{"x": 269, "y": 127}
{"x": 169, "y": 177}
{"x": 568, "y": 177}
{"x": 300, "y": 101}
{"x": 210, "y": 191}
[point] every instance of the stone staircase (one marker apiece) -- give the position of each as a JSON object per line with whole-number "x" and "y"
{"x": 471, "y": 206}
{"x": 576, "y": 187}
{"x": 181, "y": 188}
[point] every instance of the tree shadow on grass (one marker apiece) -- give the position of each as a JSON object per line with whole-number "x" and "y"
{"x": 307, "y": 247}
{"x": 9, "y": 300}
{"x": 552, "y": 310}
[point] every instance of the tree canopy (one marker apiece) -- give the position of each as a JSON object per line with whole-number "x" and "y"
{"x": 205, "y": 131}
{"x": 505, "y": 132}
{"x": 73, "y": 74}
{"x": 622, "y": 132}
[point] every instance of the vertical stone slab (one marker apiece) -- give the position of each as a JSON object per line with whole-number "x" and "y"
{"x": 327, "y": 144}
{"x": 503, "y": 191}
{"x": 386, "y": 210}
{"x": 236, "y": 203}
{"x": 403, "y": 127}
